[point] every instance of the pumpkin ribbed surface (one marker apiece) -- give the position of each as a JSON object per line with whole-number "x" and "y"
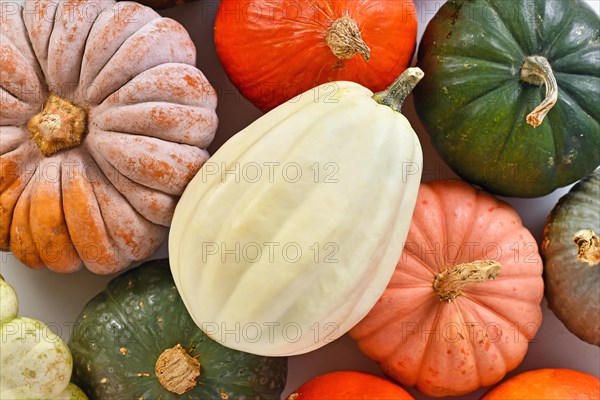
{"x": 464, "y": 300}
{"x": 104, "y": 121}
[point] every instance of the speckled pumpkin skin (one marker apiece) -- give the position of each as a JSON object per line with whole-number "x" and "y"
{"x": 122, "y": 331}
{"x": 572, "y": 286}
{"x": 150, "y": 116}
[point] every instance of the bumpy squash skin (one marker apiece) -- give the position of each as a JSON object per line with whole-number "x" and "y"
{"x": 547, "y": 384}
{"x": 572, "y": 286}
{"x": 122, "y": 331}
{"x": 474, "y": 104}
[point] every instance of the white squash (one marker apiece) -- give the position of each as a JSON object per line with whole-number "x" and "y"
{"x": 35, "y": 363}
{"x": 289, "y": 234}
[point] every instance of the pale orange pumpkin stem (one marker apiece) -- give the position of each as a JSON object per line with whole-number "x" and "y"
{"x": 59, "y": 126}
{"x": 176, "y": 370}
{"x": 536, "y": 70}
{"x": 344, "y": 39}
{"x": 449, "y": 284}
{"x": 588, "y": 246}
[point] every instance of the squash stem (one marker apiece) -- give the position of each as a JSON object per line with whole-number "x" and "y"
{"x": 344, "y": 39}
{"x": 59, "y": 126}
{"x": 449, "y": 284}
{"x": 536, "y": 70}
{"x": 588, "y": 247}
{"x": 395, "y": 95}
{"x": 176, "y": 370}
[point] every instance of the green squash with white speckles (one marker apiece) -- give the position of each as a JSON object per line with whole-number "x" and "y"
{"x": 140, "y": 318}
{"x": 488, "y": 65}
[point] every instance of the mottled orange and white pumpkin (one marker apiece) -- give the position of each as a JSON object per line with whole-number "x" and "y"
{"x": 103, "y": 121}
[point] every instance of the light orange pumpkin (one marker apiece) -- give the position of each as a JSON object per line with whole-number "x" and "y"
{"x": 103, "y": 121}
{"x": 464, "y": 300}
{"x": 547, "y": 384}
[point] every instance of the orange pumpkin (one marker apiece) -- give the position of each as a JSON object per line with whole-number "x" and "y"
{"x": 349, "y": 385}
{"x": 104, "y": 119}
{"x": 276, "y": 49}
{"x": 464, "y": 300}
{"x": 547, "y": 384}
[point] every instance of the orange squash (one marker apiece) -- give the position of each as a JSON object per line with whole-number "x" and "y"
{"x": 103, "y": 121}
{"x": 349, "y": 385}
{"x": 276, "y": 49}
{"x": 547, "y": 384}
{"x": 464, "y": 300}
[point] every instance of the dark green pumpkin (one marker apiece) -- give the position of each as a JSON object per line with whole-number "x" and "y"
{"x": 474, "y": 103}
{"x": 122, "y": 332}
{"x": 571, "y": 251}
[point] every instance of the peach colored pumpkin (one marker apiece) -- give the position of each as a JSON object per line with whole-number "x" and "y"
{"x": 464, "y": 300}
{"x": 103, "y": 121}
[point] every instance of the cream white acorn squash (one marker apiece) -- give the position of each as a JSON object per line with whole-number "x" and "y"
{"x": 290, "y": 233}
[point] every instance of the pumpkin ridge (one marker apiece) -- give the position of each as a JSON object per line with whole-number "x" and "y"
{"x": 566, "y": 93}
{"x": 433, "y": 304}
{"x": 120, "y": 248}
{"x": 583, "y": 50}
{"x": 8, "y": 238}
{"x": 473, "y": 353}
{"x": 116, "y": 7}
{"x": 445, "y": 120}
{"x": 520, "y": 108}
{"x": 519, "y": 45}
{"x": 548, "y": 49}
{"x": 503, "y": 354}
{"x": 85, "y": 46}
{"x": 433, "y": 269}
{"x": 93, "y": 82}
{"x": 46, "y": 47}
{"x": 479, "y": 60}
{"x": 477, "y": 195}
{"x": 174, "y": 26}
{"x": 495, "y": 312}
{"x": 428, "y": 346}
{"x": 414, "y": 259}
{"x": 568, "y": 28}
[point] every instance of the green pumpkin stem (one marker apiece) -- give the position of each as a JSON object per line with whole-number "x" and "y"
{"x": 588, "y": 247}
{"x": 176, "y": 370}
{"x": 536, "y": 70}
{"x": 449, "y": 284}
{"x": 395, "y": 95}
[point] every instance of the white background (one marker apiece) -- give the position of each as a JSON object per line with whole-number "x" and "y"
{"x": 58, "y": 299}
